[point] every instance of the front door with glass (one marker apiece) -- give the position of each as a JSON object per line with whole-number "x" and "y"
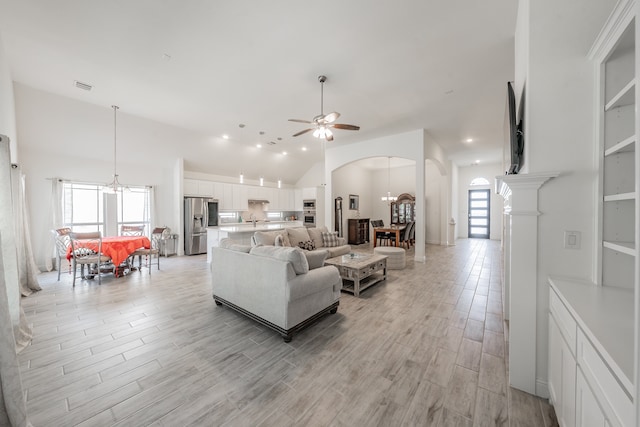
{"x": 479, "y": 211}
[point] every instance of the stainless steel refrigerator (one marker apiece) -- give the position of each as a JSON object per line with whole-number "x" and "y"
{"x": 199, "y": 213}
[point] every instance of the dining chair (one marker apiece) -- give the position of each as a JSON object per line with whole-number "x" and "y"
{"x": 380, "y": 235}
{"x": 148, "y": 254}
{"x": 132, "y": 230}
{"x": 404, "y": 235}
{"x": 86, "y": 249}
{"x": 62, "y": 241}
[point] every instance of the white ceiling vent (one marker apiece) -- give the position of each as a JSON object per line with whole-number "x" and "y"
{"x": 83, "y": 86}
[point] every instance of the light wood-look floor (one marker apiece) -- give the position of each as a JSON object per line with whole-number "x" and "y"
{"x": 424, "y": 348}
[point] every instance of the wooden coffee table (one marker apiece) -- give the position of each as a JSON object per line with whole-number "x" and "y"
{"x": 360, "y": 269}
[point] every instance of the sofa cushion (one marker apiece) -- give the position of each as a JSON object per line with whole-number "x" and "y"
{"x": 234, "y": 245}
{"x": 316, "y": 235}
{"x": 316, "y": 258}
{"x": 297, "y": 235}
{"x": 295, "y": 256}
{"x": 268, "y": 238}
{"x": 309, "y": 245}
{"x": 330, "y": 239}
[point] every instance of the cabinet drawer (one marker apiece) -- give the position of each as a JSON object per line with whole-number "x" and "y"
{"x": 566, "y": 322}
{"x": 617, "y": 405}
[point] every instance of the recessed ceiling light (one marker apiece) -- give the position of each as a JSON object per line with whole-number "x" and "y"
{"x": 468, "y": 140}
{"x": 477, "y": 161}
{"x": 304, "y": 148}
{"x": 284, "y": 153}
{"x": 259, "y": 145}
{"x": 225, "y": 136}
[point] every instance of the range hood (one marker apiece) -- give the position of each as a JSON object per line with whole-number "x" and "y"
{"x": 258, "y": 201}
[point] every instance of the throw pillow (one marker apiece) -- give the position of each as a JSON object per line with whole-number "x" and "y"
{"x": 297, "y": 235}
{"x": 330, "y": 239}
{"x": 316, "y": 235}
{"x": 315, "y": 259}
{"x": 279, "y": 240}
{"x": 309, "y": 245}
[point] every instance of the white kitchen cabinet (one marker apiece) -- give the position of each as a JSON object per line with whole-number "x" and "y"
{"x": 190, "y": 187}
{"x": 198, "y": 188}
{"x": 309, "y": 193}
{"x": 226, "y": 203}
{"x": 240, "y": 196}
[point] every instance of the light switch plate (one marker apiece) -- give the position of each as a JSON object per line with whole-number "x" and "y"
{"x": 572, "y": 239}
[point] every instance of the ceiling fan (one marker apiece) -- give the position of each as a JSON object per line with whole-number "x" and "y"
{"x": 323, "y": 122}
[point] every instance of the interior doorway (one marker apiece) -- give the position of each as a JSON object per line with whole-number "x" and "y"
{"x": 479, "y": 214}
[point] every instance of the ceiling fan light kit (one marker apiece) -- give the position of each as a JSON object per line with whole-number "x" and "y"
{"x": 323, "y": 122}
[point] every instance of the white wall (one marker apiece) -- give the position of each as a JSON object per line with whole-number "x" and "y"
{"x": 559, "y": 87}
{"x": 465, "y": 176}
{"x": 352, "y": 179}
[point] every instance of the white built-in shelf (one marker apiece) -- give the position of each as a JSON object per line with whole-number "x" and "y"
{"x": 628, "y": 248}
{"x": 626, "y": 96}
{"x": 620, "y": 197}
{"x": 623, "y": 146}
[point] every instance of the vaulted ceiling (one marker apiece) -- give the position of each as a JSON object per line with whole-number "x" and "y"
{"x": 209, "y": 66}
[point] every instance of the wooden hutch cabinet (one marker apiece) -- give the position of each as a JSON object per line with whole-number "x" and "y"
{"x": 403, "y": 210}
{"x": 358, "y": 231}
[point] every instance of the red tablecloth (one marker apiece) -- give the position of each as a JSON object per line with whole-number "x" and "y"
{"x": 118, "y": 248}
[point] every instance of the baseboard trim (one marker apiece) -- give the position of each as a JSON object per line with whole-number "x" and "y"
{"x": 542, "y": 389}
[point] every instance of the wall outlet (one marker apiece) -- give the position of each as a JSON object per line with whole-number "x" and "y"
{"x": 572, "y": 239}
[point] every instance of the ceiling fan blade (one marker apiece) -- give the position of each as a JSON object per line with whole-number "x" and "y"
{"x": 300, "y": 121}
{"x": 331, "y": 117}
{"x": 345, "y": 127}
{"x": 302, "y": 132}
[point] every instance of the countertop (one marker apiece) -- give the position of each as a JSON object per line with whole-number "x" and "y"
{"x": 247, "y": 227}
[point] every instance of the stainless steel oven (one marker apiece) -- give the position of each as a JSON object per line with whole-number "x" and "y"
{"x": 309, "y": 213}
{"x": 309, "y": 219}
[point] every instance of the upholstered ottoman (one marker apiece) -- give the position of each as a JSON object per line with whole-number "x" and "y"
{"x": 395, "y": 256}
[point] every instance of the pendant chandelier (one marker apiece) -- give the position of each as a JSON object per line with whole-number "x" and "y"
{"x": 389, "y": 198}
{"x": 114, "y": 186}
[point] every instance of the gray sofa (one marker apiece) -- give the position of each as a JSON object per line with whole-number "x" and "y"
{"x": 320, "y": 239}
{"x": 275, "y": 285}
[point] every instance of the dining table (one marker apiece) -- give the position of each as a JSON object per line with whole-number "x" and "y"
{"x": 118, "y": 248}
{"x": 396, "y": 229}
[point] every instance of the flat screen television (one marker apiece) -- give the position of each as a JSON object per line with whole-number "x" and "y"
{"x": 516, "y": 132}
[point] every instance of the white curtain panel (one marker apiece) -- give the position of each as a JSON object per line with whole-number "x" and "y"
{"x": 27, "y": 269}
{"x": 13, "y": 327}
{"x": 56, "y": 220}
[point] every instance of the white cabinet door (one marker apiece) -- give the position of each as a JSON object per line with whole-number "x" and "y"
{"x": 309, "y": 193}
{"x": 588, "y": 411}
{"x": 205, "y": 188}
{"x": 226, "y": 202}
{"x": 190, "y": 187}
{"x": 298, "y": 200}
{"x": 218, "y": 191}
{"x": 562, "y": 376}
{"x": 240, "y": 197}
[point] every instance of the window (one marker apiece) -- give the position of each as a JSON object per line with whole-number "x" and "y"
{"x": 134, "y": 208}
{"x": 85, "y": 208}
{"x": 479, "y": 181}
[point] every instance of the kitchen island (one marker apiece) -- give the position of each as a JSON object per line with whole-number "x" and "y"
{"x": 242, "y": 232}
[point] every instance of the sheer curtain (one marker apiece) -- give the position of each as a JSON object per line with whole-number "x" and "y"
{"x": 56, "y": 220}
{"x": 14, "y": 330}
